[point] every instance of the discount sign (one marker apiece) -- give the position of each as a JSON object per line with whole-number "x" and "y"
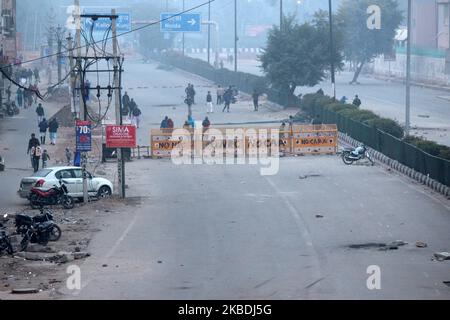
{"x": 83, "y": 135}
{"x": 120, "y": 136}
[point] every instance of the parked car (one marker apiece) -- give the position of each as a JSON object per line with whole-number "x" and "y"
{"x": 73, "y": 179}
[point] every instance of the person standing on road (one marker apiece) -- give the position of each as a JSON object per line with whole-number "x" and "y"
{"x": 192, "y": 92}
{"x": 164, "y": 123}
{"x": 170, "y": 123}
{"x": 131, "y": 105}
{"x": 209, "y": 103}
{"x": 53, "y": 129}
{"x": 136, "y": 116}
{"x": 206, "y": 123}
{"x": 227, "y": 97}
{"x": 45, "y": 158}
{"x": 219, "y": 93}
{"x": 255, "y": 97}
{"x": 36, "y": 154}
{"x": 32, "y": 143}
{"x": 40, "y": 113}
{"x": 19, "y": 97}
{"x": 36, "y": 75}
{"x": 43, "y": 126}
{"x": 356, "y": 101}
{"x": 125, "y": 101}
{"x": 189, "y": 103}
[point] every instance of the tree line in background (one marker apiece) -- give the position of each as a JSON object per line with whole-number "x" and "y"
{"x": 300, "y": 55}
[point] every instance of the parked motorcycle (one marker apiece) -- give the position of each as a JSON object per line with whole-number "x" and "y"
{"x": 12, "y": 109}
{"x": 56, "y": 195}
{"x": 23, "y": 222}
{"x": 5, "y": 242}
{"x": 350, "y": 155}
{"x": 39, "y": 233}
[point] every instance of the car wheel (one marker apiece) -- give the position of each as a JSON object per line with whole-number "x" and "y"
{"x": 104, "y": 192}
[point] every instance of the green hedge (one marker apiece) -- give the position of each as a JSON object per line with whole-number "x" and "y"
{"x": 431, "y": 147}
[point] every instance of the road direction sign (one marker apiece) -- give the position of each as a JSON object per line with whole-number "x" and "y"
{"x": 186, "y": 22}
{"x": 103, "y": 24}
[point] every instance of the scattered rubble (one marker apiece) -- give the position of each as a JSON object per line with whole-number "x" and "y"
{"x": 441, "y": 256}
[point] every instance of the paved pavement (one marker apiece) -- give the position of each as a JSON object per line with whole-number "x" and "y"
{"x": 226, "y": 232}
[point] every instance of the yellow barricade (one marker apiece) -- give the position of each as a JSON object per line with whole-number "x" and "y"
{"x": 295, "y": 140}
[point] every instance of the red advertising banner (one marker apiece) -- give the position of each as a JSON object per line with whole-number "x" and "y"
{"x": 120, "y": 136}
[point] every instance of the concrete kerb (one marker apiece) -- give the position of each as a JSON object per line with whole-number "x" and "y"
{"x": 397, "y": 166}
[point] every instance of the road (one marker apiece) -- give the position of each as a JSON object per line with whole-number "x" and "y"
{"x": 430, "y": 108}
{"x": 226, "y": 232}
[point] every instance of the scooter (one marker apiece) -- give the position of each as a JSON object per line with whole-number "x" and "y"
{"x": 56, "y": 195}
{"x": 350, "y": 155}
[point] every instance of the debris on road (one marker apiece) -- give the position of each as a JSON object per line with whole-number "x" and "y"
{"x": 319, "y": 216}
{"x": 24, "y": 290}
{"x": 441, "y": 256}
{"x": 420, "y": 244}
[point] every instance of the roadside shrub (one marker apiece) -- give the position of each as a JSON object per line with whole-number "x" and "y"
{"x": 358, "y": 115}
{"x": 387, "y": 125}
{"x": 431, "y": 147}
{"x": 337, "y": 107}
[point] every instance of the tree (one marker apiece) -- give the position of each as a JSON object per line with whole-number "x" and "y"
{"x": 300, "y": 55}
{"x": 364, "y": 44}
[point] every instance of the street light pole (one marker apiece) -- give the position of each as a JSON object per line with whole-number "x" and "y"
{"x": 333, "y": 80}
{"x": 235, "y": 36}
{"x": 281, "y": 14}
{"x": 209, "y": 31}
{"x": 183, "y": 32}
{"x": 408, "y": 71}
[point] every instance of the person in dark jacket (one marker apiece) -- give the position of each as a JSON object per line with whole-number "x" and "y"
{"x": 227, "y": 97}
{"x": 356, "y": 101}
{"x": 32, "y": 143}
{"x": 43, "y": 126}
{"x": 53, "y": 129}
{"x": 131, "y": 107}
{"x": 164, "y": 124}
{"x": 40, "y": 113}
{"x": 255, "y": 97}
{"x": 19, "y": 97}
{"x": 170, "y": 123}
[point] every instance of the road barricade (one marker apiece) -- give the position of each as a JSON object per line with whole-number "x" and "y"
{"x": 296, "y": 140}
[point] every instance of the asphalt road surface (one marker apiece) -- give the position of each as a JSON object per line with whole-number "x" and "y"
{"x": 226, "y": 232}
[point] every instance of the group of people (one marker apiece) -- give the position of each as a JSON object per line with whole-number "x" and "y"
{"x": 35, "y": 150}
{"x": 130, "y": 109}
{"x": 356, "y": 101}
{"x": 36, "y": 153}
{"x": 167, "y": 123}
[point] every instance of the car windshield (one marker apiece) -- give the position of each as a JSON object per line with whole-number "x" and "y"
{"x": 42, "y": 173}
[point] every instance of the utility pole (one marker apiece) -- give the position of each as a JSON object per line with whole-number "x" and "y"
{"x": 333, "y": 80}
{"x": 72, "y": 74}
{"x": 235, "y": 36}
{"x": 59, "y": 35}
{"x": 209, "y": 31}
{"x": 117, "y": 100}
{"x": 83, "y": 114}
{"x": 408, "y": 71}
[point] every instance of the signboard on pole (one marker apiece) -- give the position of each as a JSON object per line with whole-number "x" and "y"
{"x": 186, "y": 22}
{"x": 120, "y": 136}
{"x": 103, "y": 24}
{"x": 83, "y": 136}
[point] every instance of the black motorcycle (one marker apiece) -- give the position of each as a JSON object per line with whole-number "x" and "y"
{"x": 39, "y": 233}
{"x": 5, "y": 242}
{"x": 24, "y": 222}
{"x": 350, "y": 155}
{"x": 56, "y": 195}
{"x": 12, "y": 109}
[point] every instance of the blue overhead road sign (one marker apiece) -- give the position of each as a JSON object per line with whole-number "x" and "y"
{"x": 186, "y": 22}
{"x": 102, "y": 24}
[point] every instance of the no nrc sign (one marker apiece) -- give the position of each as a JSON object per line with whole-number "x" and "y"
{"x": 120, "y": 136}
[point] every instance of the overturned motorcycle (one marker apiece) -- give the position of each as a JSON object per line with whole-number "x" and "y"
{"x": 350, "y": 155}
